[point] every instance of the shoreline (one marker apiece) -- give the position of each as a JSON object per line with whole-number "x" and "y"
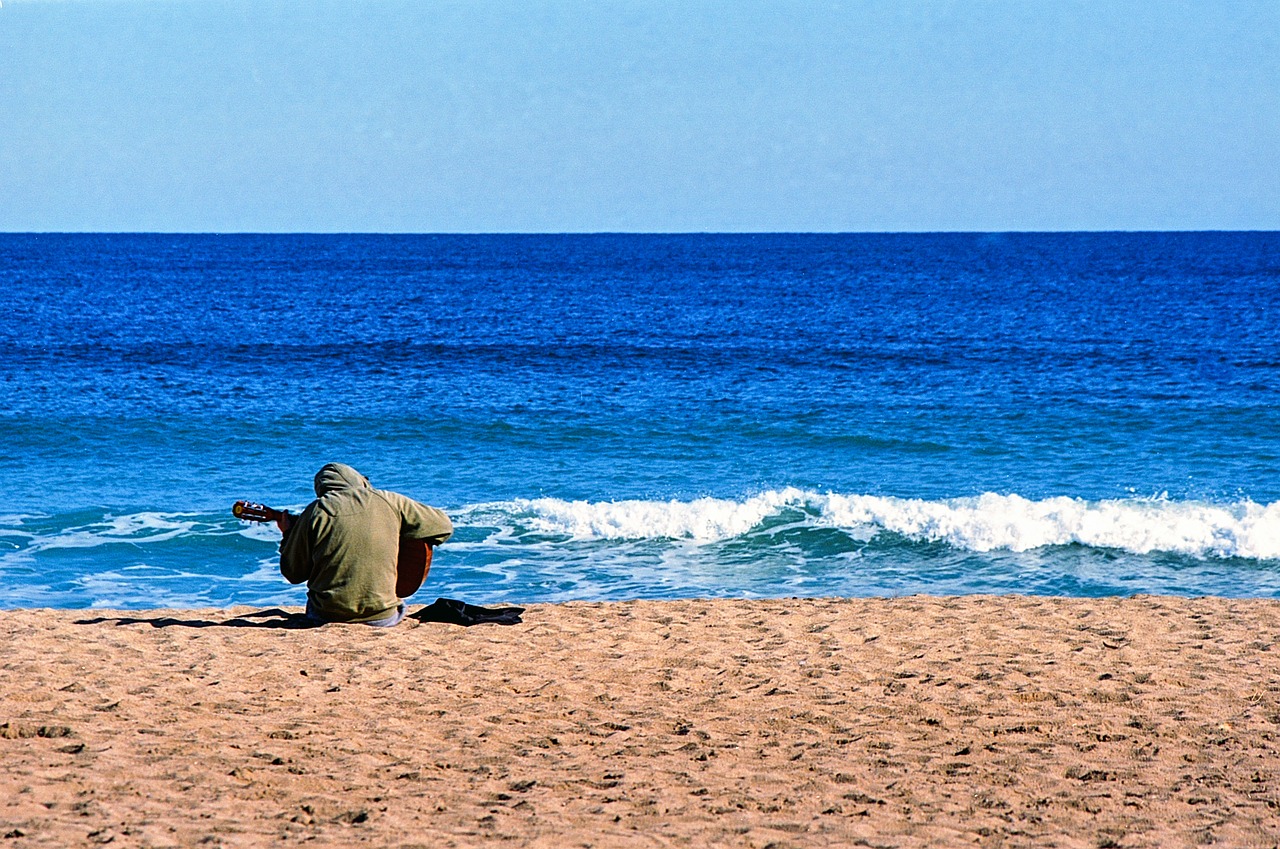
{"x": 907, "y": 721}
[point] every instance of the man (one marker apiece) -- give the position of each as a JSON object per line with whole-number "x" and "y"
{"x": 345, "y": 545}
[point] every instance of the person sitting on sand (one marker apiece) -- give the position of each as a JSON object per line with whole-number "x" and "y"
{"x": 345, "y": 545}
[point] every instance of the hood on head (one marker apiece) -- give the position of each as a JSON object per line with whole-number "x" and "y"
{"x": 335, "y": 476}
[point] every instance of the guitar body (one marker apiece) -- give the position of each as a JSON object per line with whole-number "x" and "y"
{"x": 412, "y": 564}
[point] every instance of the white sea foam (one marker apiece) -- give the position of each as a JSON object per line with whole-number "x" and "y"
{"x": 983, "y": 523}
{"x": 264, "y": 532}
{"x": 1141, "y": 526}
{"x": 11, "y": 519}
{"x": 131, "y": 528}
{"x": 705, "y": 519}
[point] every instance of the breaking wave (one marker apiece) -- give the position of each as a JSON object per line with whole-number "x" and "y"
{"x": 988, "y": 522}
{"x": 775, "y": 543}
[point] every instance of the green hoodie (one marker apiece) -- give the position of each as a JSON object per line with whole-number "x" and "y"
{"x": 346, "y": 542}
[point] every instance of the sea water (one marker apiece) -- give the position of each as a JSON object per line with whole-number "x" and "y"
{"x": 648, "y": 416}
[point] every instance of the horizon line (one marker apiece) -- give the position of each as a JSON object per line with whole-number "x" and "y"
{"x": 957, "y": 232}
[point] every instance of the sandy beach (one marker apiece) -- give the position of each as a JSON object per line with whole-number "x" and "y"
{"x": 918, "y": 721}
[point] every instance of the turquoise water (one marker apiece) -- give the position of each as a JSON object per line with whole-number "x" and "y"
{"x": 619, "y": 416}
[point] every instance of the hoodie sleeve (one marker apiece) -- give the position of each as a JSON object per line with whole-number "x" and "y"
{"x": 295, "y": 550}
{"x": 418, "y": 521}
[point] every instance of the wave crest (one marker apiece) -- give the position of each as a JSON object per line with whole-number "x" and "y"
{"x": 1140, "y": 526}
{"x": 982, "y": 523}
{"x": 705, "y": 519}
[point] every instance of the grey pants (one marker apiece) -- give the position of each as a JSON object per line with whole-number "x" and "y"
{"x": 389, "y": 622}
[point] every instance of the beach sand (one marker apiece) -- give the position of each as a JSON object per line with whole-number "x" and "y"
{"x": 918, "y": 721}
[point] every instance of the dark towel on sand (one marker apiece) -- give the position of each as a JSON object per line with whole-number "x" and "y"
{"x": 460, "y": 613}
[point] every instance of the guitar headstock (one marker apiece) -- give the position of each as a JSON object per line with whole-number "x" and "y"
{"x": 251, "y": 511}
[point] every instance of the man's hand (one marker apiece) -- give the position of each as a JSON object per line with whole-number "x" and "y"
{"x": 284, "y": 522}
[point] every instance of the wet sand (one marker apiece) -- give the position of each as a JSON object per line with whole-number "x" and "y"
{"x": 868, "y": 722}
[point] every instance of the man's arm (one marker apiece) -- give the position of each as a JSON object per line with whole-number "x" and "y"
{"x": 295, "y": 548}
{"x": 418, "y": 521}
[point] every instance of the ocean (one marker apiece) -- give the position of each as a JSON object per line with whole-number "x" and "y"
{"x": 613, "y": 417}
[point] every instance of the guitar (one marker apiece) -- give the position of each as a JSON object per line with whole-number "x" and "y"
{"x": 412, "y": 564}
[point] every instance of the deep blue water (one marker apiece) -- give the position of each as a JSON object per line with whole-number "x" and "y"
{"x": 623, "y": 416}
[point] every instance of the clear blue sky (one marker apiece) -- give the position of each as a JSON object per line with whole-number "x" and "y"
{"x": 480, "y": 116}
